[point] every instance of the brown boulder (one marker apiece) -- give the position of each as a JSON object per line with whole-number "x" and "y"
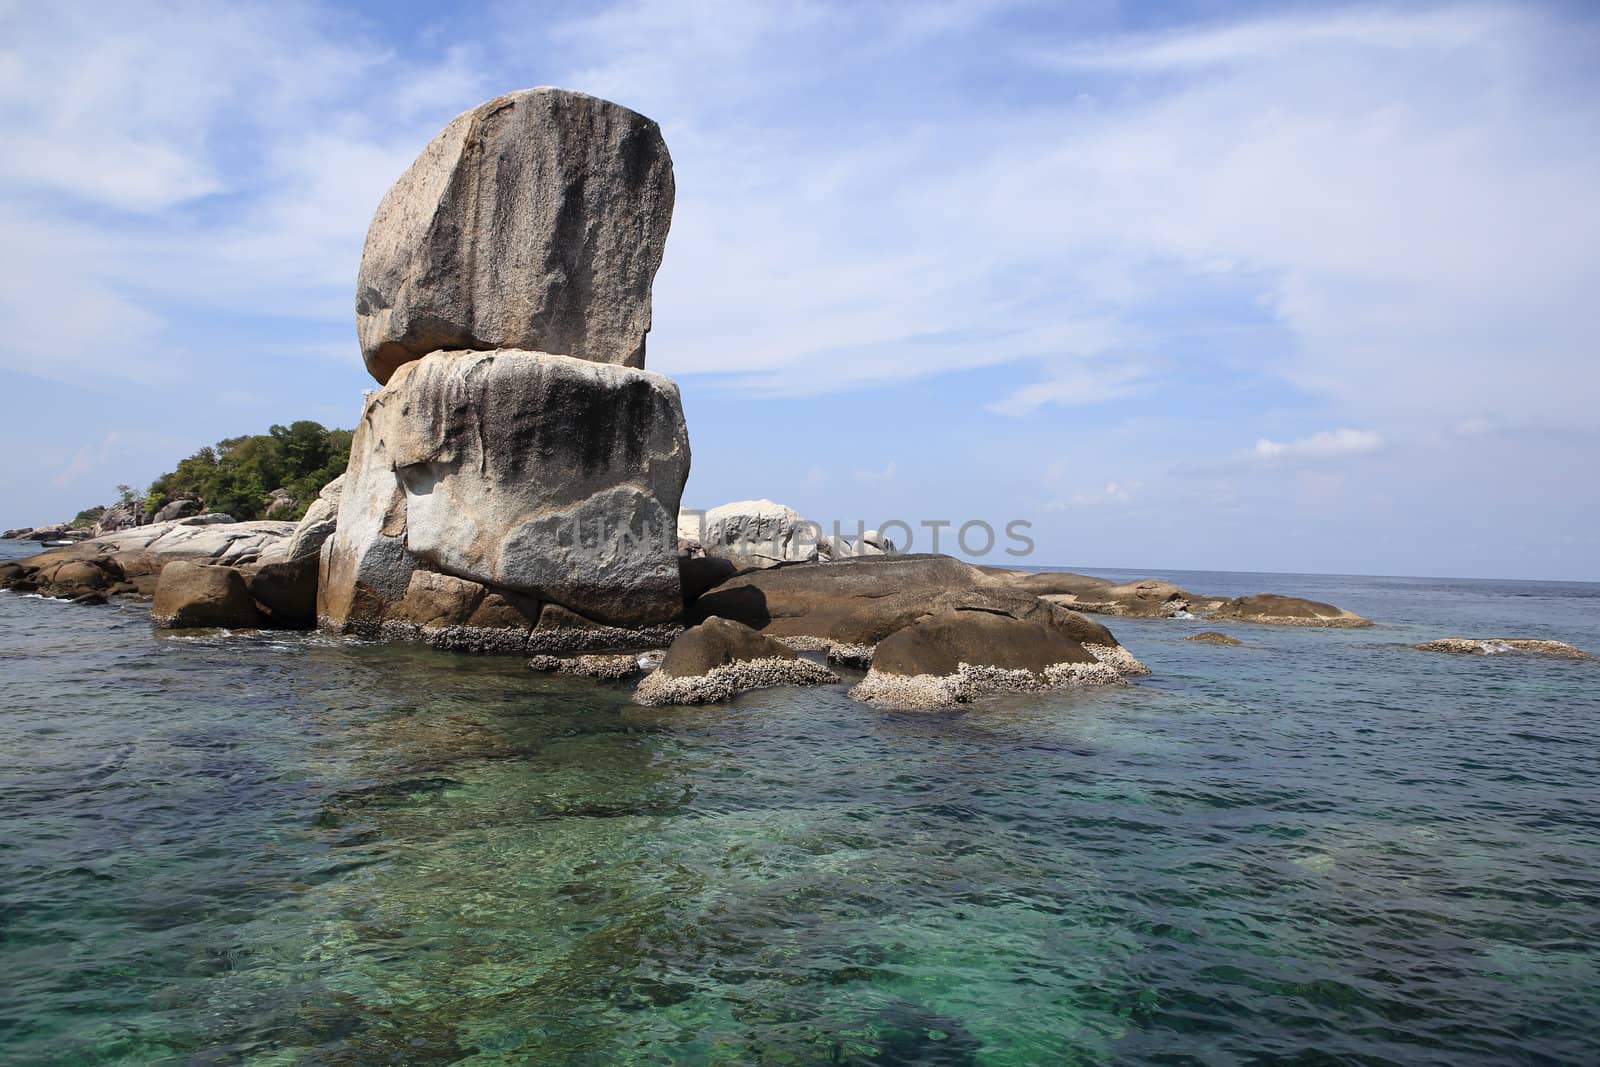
{"x": 957, "y": 656}
{"x": 942, "y": 643}
{"x": 719, "y": 659}
{"x": 196, "y": 595}
{"x": 718, "y": 643}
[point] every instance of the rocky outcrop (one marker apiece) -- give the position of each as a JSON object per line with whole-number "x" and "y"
{"x": 177, "y": 509}
{"x": 1499, "y": 646}
{"x": 854, "y": 604}
{"x": 1154, "y": 598}
{"x": 1212, "y": 637}
{"x": 551, "y": 478}
{"x": 954, "y": 657}
{"x": 197, "y": 595}
{"x": 16, "y": 533}
{"x": 318, "y": 523}
{"x": 1147, "y": 598}
{"x": 1286, "y": 611}
{"x": 536, "y": 220}
{"x": 720, "y": 658}
{"x": 134, "y": 558}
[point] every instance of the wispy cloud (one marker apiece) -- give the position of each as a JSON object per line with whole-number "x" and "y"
{"x": 1326, "y": 445}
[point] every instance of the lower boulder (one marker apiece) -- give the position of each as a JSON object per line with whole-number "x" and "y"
{"x": 539, "y": 477}
{"x": 954, "y": 657}
{"x": 198, "y": 596}
{"x": 720, "y": 658}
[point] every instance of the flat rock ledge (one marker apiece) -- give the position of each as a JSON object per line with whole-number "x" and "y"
{"x": 1498, "y": 646}
{"x": 608, "y": 668}
{"x": 926, "y": 692}
{"x": 1213, "y": 637}
{"x": 722, "y": 683}
{"x": 516, "y": 640}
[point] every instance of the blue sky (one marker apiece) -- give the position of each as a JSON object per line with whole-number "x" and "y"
{"x": 1243, "y": 286}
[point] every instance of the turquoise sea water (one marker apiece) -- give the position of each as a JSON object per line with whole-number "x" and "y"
{"x": 1320, "y": 847}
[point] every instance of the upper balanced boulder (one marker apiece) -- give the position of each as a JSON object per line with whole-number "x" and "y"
{"x": 536, "y": 220}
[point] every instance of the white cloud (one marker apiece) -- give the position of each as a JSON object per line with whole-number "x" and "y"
{"x": 886, "y": 474}
{"x": 1326, "y": 445}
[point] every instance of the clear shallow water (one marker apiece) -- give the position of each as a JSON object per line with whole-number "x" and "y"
{"x": 1320, "y": 847}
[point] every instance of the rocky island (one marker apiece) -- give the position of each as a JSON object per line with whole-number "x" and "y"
{"x": 514, "y": 484}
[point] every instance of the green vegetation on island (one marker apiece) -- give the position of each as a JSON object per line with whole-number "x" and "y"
{"x": 239, "y": 475}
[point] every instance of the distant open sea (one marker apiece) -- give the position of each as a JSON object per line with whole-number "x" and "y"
{"x": 1321, "y": 847}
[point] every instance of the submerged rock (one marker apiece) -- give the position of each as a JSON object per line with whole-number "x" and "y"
{"x": 197, "y": 595}
{"x": 536, "y": 220}
{"x": 1213, "y": 637}
{"x": 612, "y": 667}
{"x": 720, "y": 658}
{"x": 954, "y": 657}
{"x": 1495, "y": 646}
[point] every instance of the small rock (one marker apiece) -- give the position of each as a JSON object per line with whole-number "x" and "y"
{"x": 1213, "y": 637}
{"x": 721, "y": 658}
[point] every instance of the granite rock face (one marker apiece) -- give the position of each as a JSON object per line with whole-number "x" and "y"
{"x": 536, "y": 220}
{"x": 752, "y": 533}
{"x": 551, "y": 478}
{"x": 318, "y": 523}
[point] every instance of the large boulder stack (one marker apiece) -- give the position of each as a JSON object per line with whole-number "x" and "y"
{"x": 514, "y": 486}
{"x": 536, "y": 221}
